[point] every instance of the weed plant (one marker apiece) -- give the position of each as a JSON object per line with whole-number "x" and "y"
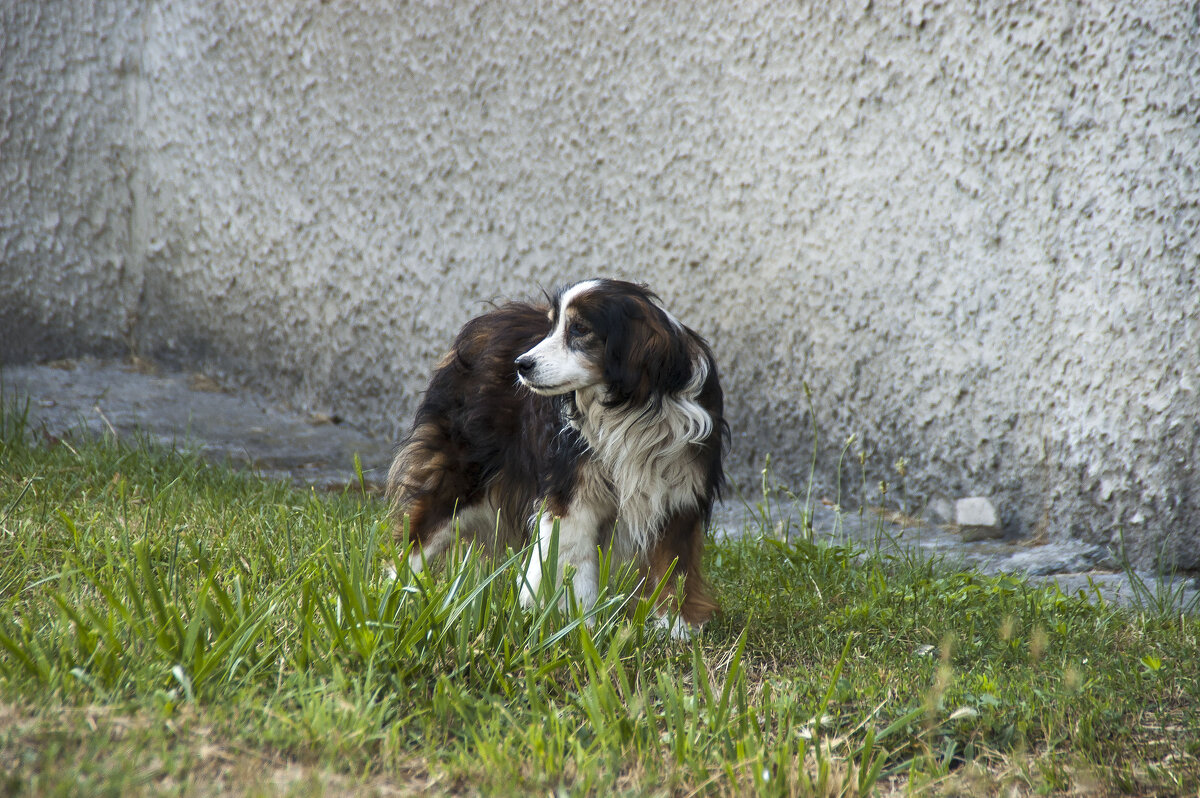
{"x": 170, "y": 627}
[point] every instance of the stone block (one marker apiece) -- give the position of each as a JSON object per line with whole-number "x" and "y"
{"x": 977, "y": 518}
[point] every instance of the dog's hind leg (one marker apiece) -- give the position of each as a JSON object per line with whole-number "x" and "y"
{"x": 427, "y": 489}
{"x": 475, "y": 522}
{"x": 434, "y": 544}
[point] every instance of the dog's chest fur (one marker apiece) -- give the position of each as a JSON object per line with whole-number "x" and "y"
{"x": 644, "y": 454}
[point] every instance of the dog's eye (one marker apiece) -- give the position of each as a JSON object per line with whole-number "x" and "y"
{"x": 579, "y": 330}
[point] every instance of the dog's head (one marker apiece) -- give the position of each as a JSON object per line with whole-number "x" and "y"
{"x": 613, "y": 334}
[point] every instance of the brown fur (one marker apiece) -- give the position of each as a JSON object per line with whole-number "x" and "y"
{"x": 681, "y": 543}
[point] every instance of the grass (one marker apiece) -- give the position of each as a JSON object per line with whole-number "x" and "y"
{"x": 169, "y": 627}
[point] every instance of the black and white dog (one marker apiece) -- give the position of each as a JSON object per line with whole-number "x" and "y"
{"x": 600, "y": 410}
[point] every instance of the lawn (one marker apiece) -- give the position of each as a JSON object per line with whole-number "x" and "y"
{"x": 170, "y": 627}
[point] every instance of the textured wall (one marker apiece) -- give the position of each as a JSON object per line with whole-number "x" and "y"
{"x": 972, "y": 231}
{"x": 67, "y": 172}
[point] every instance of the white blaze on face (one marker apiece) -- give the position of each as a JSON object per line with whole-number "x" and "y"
{"x": 557, "y": 368}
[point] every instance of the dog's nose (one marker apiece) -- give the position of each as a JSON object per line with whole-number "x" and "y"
{"x": 524, "y": 365}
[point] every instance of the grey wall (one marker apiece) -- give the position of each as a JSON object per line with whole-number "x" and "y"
{"x": 972, "y": 231}
{"x": 68, "y": 84}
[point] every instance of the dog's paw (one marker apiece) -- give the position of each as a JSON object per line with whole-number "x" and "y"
{"x": 528, "y": 588}
{"x": 673, "y": 626}
{"x": 416, "y": 561}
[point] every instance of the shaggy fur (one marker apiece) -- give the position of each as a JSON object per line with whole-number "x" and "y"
{"x": 600, "y": 411}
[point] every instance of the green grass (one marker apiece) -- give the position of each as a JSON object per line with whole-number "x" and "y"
{"x": 171, "y": 627}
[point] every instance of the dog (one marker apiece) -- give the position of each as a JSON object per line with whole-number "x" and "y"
{"x": 599, "y": 412}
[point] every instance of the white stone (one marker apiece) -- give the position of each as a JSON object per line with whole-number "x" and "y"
{"x": 977, "y": 518}
{"x": 975, "y": 511}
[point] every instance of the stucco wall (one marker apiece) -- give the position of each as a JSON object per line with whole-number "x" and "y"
{"x": 971, "y": 231}
{"x": 68, "y": 80}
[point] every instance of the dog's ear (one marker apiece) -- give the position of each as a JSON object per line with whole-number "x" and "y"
{"x": 645, "y": 355}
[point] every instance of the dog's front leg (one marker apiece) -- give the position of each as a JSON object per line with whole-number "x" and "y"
{"x": 577, "y": 546}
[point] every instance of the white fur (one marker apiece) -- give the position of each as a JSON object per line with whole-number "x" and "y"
{"x": 673, "y": 626}
{"x": 645, "y": 455}
{"x": 576, "y": 546}
{"x": 578, "y": 540}
{"x": 578, "y": 289}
